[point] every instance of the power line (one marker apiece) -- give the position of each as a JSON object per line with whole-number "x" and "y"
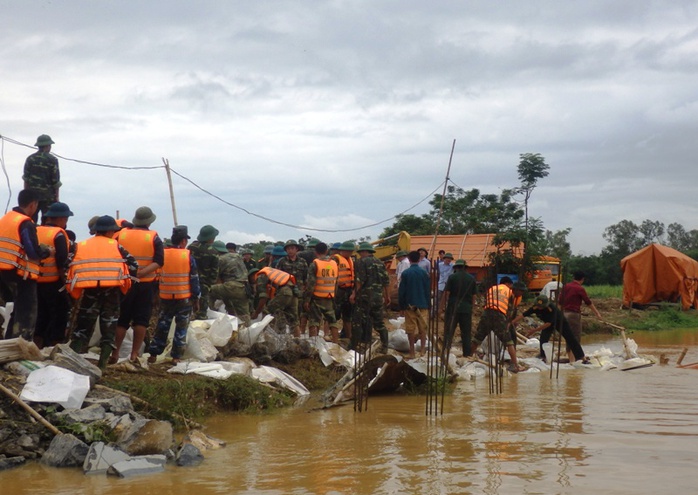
{"x": 215, "y": 196}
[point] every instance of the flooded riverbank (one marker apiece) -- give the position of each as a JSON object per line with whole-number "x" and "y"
{"x": 588, "y": 431}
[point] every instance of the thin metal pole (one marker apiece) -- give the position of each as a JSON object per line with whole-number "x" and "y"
{"x": 169, "y": 182}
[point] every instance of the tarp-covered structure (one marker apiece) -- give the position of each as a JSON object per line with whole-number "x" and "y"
{"x": 658, "y": 273}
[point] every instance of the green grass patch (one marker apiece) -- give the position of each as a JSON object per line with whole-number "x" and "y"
{"x": 604, "y": 291}
{"x": 197, "y": 397}
{"x": 661, "y": 318}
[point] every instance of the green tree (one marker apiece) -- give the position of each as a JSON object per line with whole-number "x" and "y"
{"x": 532, "y": 167}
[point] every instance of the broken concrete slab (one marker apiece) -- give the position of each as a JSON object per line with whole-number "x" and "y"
{"x": 63, "y": 356}
{"x": 88, "y": 414}
{"x": 119, "y": 404}
{"x": 101, "y": 456}
{"x": 65, "y": 451}
{"x": 189, "y": 455}
{"x": 136, "y": 466}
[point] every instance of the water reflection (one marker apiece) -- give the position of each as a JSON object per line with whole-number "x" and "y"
{"x": 615, "y": 432}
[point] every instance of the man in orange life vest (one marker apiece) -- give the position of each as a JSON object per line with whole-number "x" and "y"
{"x": 318, "y": 300}
{"x": 99, "y": 273}
{"x": 275, "y": 291}
{"x": 20, "y": 253}
{"x": 499, "y": 307}
{"x": 345, "y": 286}
{"x": 136, "y": 308}
{"x": 179, "y": 295}
{"x": 53, "y": 301}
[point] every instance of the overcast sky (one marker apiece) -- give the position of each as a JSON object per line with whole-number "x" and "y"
{"x": 339, "y": 114}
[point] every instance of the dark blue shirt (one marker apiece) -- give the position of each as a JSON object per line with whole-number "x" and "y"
{"x": 414, "y": 288}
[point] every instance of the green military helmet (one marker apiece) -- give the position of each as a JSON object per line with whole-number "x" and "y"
{"x": 207, "y": 233}
{"x": 400, "y": 254}
{"x": 291, "y": 242}
{"x": 252, "y": 271}
{"x": 91, "y": 224}
{"x": 460, "y": 262}
{"x": 347, "y": 246}
{"x": 366, "y": 246}
{"x": 278, "y": 250}
{"x": 245, "y": 251}
{"x": 219, "y": 246}
{"x": 448, "y": 255}
{"x": 58, "y": 210}
{"x": 268, "y": 249}
{"x": 44, "y": 140}
{"x": 541, "y": 301}
{"x": 144, "y": 217}
{"x": 313, "y": 242}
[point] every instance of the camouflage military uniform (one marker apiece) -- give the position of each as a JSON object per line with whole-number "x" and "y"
{"x": 299, "y": 269}
{"x": 207, "y": 263}
{"x": 232, "y": 274}
{"x": 283, "y": 307}
{"x": 372, "y": 277}
{"x": 41, "y": 173}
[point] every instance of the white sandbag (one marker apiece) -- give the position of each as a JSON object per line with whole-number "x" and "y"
{"x": 398, "y": 322}
{"x": 250, "y": 335}
{"x": 199, "y": 347}
{"x": 222, "y": 329}
{"x": 398, "y": 340}
{"x": 630, "y": 349}
{"x": 267, "y": 374}
{"x": 220, "y": 369}
{"x": 319, "y": 344}
{"x": 6, "y": 312}
{"x": 55, "y": 384}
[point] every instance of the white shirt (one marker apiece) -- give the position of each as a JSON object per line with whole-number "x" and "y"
{"x": 401, "y": 267}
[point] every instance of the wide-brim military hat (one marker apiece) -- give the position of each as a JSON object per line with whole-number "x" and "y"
{"x": 366, "y": 246}
{"x": 44, "y": 140}
{"x": 459, "y": 262}
{"x": 106, "y": 223}
{"x": 278, "y": 251}
{"x": 268, "y": 249}
{"x": 401, "y": 253}
{"x": 448, "y": 255}
{"x": 207, "y": 233}
{"x": 219, "y": 246}
{"x": 181, "y": 231}
{"x": 541, "y": 301}
{"x": 291, "y": 242}
{"x": 144, "y": 216}
{"x": 347, "y": 246}
{"x": 58, "y": 210}
{"x": 313, "y": 242}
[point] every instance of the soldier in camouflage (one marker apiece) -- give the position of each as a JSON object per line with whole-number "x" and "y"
{"x": 232, "y": 286}
{"x": 298, "y": 267}
{"x": 247, "y": 259}
{"x": 207, "y": 263}
{"x": 283, "y": 305}
{"x": 369, "y": 297}
{"x": 42, "y": 174}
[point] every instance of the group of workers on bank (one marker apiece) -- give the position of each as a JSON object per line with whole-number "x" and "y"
{"x": 116, "y": 275}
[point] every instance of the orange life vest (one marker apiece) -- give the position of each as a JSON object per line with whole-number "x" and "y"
{"x": 12, "y": 254}
{"x": 48, "y": 271}
{"x": 498, "y": 298}
{"x": 139, "y": 244}
{"x": 325, "y": 278}
{"x": 97, "y": 263}
{"x": 174, "y": 278}
{"x": 277, "y": 279}
{"x": 345, "y": 279}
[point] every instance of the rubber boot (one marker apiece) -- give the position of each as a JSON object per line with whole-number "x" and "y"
{"x": 104, "y": 356}
{"x": 78, "y": 346}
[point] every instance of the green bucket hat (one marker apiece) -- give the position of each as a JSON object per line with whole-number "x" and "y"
{"x": 58, "y": 210}
{"x": 268, "y": 249}
{"x": 207, "y": 233}
{"x": 291, "y": 242}
{"x": 44, "y": 140}
{"x": 448, "y": 255}
{"x": 313, "y": 242}
{"x": 366, "y": 246}
{"x": 106, "y": 223}
{"x": 460, "y": 262}
{"x": 347, "y": 246}
{"x": 219, "y": 246}
{"x": 278, "y": 251}
{"x": 144, "y": 217}
{"x": 541, "y": 301}
{"x": 401, "y": 253}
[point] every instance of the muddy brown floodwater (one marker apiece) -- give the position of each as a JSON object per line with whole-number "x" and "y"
{"x": 632, "y": 432}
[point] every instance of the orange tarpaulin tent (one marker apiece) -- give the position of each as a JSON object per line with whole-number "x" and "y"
{"x": 658, "y": 273}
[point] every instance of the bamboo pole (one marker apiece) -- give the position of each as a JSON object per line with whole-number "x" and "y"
{"x": 169, "y": 182}
{"x": 30, "y": 410}
{"x": 681, "y": 356}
